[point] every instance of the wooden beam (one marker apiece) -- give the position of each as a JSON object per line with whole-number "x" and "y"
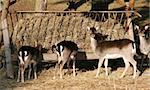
{"x": 9, "y": 69}
{"x": 74, "y": 12}
{"x": 80, "y": 56}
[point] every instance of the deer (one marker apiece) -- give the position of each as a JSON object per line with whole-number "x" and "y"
{"x": 29, "y": 57}
{"x": 123, "y": 48}
{"x": 71, "y": 6}
{"x": 66, "y": 51}
{"x": 144, "y": 40}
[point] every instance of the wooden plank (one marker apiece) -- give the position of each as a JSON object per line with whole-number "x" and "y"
{"x": 80, "y": 56}
{"x": 9, "y": 69}
{"x": 52, "y": 57}
{"x": 74, "y": 12}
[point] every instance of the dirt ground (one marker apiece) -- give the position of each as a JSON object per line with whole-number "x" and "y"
{"x": 84, "y": 80}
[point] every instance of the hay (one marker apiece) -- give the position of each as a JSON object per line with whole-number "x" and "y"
{"x": 52, "y": 28}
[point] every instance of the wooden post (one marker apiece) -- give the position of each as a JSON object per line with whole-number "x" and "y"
{"x": 129, "y": 24}
{"x": 0, "y": 5}
{"x": 0, "y": 22}
{"x": 9, "y": 69}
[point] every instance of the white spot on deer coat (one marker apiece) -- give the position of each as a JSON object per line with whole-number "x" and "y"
{"x": 113, "y": 56}
{"x": 61, "y": 48}
{"x": 25, "y": 53}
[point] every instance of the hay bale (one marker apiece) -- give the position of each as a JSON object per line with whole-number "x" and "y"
{"x": 57, "y": 30}
{"x": 84, "y": 33}
{"x": 36, "y": 29}
{"x": 49, "y": 32}
{"x": 42, "y": 31}
{"x": 71, "y": 27}
{"x": 52, "y": 28}
{"x": 18, "y": 27}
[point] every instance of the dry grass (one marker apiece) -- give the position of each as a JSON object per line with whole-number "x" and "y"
{"x": 83, "y": 80}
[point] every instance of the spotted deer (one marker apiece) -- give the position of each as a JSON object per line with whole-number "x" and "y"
{"x": 112, "y": 50}
{"x": 66, "y": 51}
{"x": 28, "y": 57}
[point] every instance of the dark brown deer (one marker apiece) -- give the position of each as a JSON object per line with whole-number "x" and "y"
{"x": 28, "y": 57}
{"x": 71, "y": 6}
{"x": 66, "y": 51}
{"x": 111, "y": 50}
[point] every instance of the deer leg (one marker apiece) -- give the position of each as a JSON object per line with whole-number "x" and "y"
{"x": 35, "y": 70}
{"x": 99, "y": 66}
{"x": 74, "y": 72}
{"x": 73, "y": 57}
{"x": 141, "y": 64}
{"x": 127, "y": 64}
{"x": 29, "y": 73}
{"x": 148, "y": 60}
{"x": 22, "y": 75}
{"x": 68, "y": 66}
{"x": 134, "y": 63}
{"x": 57, "y": 66}
{"x": 61, "y": 69}
{"x": 18, "y": 78}
{"x": 106, "y": 66}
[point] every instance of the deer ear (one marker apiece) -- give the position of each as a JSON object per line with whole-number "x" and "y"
{"x": 146, "y": 27}
{"x": 68, "y": 3}
{"x": 97, "y": 28}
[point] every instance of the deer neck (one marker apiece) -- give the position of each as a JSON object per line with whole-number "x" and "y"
{"x": 93, "y": 43}
{"x": 144, "y": 45}
{"x": 142, "y": 39}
